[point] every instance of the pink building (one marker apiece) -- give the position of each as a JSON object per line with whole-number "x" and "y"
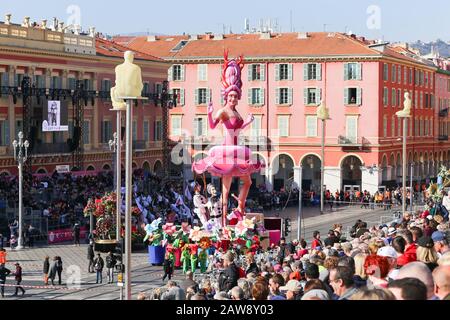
{"x": 285, "y": 77}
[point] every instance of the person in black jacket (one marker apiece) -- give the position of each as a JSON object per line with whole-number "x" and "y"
{"x": 110, "y": 264}
{"x": 98, "y": 265}
{"x": 46, "y": 269}
{"x": 229, "y": 277}
{"x": 59, "y": 268}
{"x": 4, "y": 272}
{"x": 18, "y": 278}
{"x": 168, "y": 267}
{"x": 252, "y": 266}
{"x": 91, "y": 256}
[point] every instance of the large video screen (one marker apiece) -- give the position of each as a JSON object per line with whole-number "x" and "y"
{"x": 55, "y": 117}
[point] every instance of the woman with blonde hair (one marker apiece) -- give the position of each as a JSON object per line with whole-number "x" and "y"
{"x": 373, "y": 294}
{"x": 360, "y": 277}
{"x": 426, "y": 253}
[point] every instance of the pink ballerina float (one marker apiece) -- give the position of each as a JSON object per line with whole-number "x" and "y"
{"x": 230, "y": 159}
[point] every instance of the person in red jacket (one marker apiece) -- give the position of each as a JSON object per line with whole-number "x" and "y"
{"x": 409, "y": 255}
{"x": 316, "y": 241}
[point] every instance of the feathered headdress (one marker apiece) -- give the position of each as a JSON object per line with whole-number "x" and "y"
{"x": 231, "y": 75}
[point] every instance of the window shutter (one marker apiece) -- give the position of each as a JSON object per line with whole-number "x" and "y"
{"x": 196, "y": 97}
{"x": 250, "y": 96}
{"x": 305, "y": 71}
{"x": 262, "y": 96}
{"x": 305, "y": 96}
{"x": 359, "y": 96}
{"x": 199, "y": 72}
{"x": 277, "y": 72}
{"x": 183, "y": 72}
{"x": 170, "y": 73}
{"x": 277, "y": 96}
{"x": 204, "y": 127}
{"x": 196, "y": 126}
{"x": 182, "y": 96}
{"x": 208, "y": 95}
{"x": 263, "y": 71}
{"x": 250, "y": 73}
{"x": 7, "y": 136}
{"x": 359, "y": 71}
{"x": 351, "y": 128}
{"x": 318, "y": 96}
{"x": 346, "y": 96}
{"x": 290, "y": 71}
{"x": 345, "y": 71}
{"x": 319, "y": 71}
{"x": 290, "y": 94}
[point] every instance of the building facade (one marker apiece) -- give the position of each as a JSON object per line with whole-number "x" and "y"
{"x": 285, "y": 78}
{"x": 55, "y": 59}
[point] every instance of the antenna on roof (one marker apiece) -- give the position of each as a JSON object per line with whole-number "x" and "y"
{"x": 290, "y": 17}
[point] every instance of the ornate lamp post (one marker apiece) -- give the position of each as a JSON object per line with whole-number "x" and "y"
{"x": 322, "y": 114}
{"x": 20, "y": 155}
{"x": 115, "y": 146}
{"x": 405, "y": 114}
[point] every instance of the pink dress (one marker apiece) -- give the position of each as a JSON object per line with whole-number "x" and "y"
{"x": 230, "y": 159}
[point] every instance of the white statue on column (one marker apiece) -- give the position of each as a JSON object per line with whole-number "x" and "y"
{"x": 128, "y": 82}
{"x": 322, "y": 112}
{"x": 406, "y": 112}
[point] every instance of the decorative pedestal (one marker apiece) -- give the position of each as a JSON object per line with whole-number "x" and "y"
{"x": 156, "y": 255}
{"x": 177, "y": 254}
{"x": 105, "y": 246}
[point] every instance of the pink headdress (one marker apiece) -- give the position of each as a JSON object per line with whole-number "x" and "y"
{"x": 231, "y": 75}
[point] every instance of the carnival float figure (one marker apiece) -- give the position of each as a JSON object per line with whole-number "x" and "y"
{"x": 230, "y": 159}
{"x": 201, "y": 204}
{"x": 214, "y": 206}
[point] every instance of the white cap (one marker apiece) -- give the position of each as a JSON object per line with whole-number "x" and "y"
{"x": 387, "y": 251}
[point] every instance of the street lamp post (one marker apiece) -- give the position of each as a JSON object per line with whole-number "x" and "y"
{"x": 20, "y": 155}
{"x": 299, "y": 212}
{"x": 411, "y": 190}
{"x": 322, "y": 114}
{"x": 405, "y": 114}
{"x": 115, "y": 146}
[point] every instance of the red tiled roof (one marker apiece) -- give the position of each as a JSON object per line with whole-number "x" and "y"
{"x": 282, "y": 45}
{"x": 112, "y": 49}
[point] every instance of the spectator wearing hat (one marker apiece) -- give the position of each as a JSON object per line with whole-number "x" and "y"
{"x": 440, "y": 243}
{"x": 341, "y": 280}
{"x": 408, "y": 289}
{"x": 18, "y": 279}
{"x": 426, "y": 252}
{"x": 441, "y": 277}
{"x": 316, "y": 294}
{"x": 293, "y": 290}
{"x": 390, "y": 253}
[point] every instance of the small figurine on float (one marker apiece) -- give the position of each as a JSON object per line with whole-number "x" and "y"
{"x": 214, "y": 206}
{"x": 201, "y": 204}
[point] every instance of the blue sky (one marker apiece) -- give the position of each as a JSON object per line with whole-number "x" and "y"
{"x": 392, "y": 20}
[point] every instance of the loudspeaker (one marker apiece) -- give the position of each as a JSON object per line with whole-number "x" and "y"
{"x": 33, "y": 136}
{"x": 74, "y": 143}
{"x": 123, "y": 133}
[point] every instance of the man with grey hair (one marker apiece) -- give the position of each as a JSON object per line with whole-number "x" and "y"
{"x": 237, "y": 293}
{"x": 174, "y": 292}
{"x": 189, "y": 282}
{"x": 441, "y": 277}
{"x": 419, "y": 270}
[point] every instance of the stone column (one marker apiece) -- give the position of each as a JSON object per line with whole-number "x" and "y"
{"x": 332, "y": 178}
{"x": 298, "y": 177}
{"x": 371, "y": 179}
{"x": 269, "y": 179}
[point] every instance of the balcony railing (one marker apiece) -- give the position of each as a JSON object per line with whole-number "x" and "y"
{"x": 443, "y": 113}
{"x": 139, "y": 145}
{"x": 443, "y": 138}
{"x": 352, "y": 143}
{"x": 51, "y": 148}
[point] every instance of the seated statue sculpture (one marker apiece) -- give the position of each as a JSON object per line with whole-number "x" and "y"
{"x": 406, "y": 112}
{"x": 128, "y": 82}
{"x": 230, "y": 160}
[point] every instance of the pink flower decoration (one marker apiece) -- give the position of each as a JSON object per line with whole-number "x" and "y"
{"x": 169, "y": 229}
{"x": 195, "y": 234}
{"x": 240, "y": 228}
{"x": 186, "y": 228}
{"x": 226, "y": 234}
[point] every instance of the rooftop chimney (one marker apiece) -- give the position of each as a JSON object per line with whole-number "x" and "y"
{"x": 61, "y": 27}
{"x": 265, "y": 35}
{"x": 55, "y": 24}
{"x": 8, "y": 18}
{"x": 92, "y": 32}
{"x": 44, "y": 24}
{"x": 218, "y": 37}
{"x": 151, "y": 38}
